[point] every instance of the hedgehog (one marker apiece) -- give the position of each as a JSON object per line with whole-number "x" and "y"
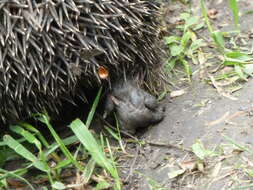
{"x": 50, "y": 51}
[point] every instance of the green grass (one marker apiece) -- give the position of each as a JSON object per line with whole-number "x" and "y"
{"x": 241, "y": 61}
{"x": 28, "y": 143}
{"x": 184, "y": 47}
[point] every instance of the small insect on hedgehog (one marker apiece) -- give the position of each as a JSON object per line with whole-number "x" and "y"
{"x": 50, "y": 51}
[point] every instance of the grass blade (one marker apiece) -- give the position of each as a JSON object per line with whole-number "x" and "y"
{"x": 237, "y": 145}
{"x": 44, "y": 119}
{"x": 27, "y": 135}
{"x": 37, "y": 132}
{"x": 117, "y": 178}
{"x": 234, "y": 7}
{"x": 15, "y": 175}
{"x": 204, "y": 12}
{"x": 41, "y": 138}
{"x": 93, "y": 109}
{"x": 89, "y": 170}
{"x": 25, "y": 153}
{"x": 90, "y": 143}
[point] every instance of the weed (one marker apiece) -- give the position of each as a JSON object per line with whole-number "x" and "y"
{"x": 90, "y": 146}
{"x": 183, "y": 47}
{"x": 240, "y": 60}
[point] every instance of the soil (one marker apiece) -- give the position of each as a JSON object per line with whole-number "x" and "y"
{"x": 202, "y": 113}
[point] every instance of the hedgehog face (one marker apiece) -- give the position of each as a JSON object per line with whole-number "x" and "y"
{"x": 134, "y": 107}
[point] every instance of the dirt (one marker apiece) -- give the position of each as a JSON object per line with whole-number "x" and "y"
{"x": 202, "y": 113}
{"x": 186, "y": 121}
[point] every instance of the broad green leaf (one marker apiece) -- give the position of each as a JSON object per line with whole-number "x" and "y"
{"x": 176, "y": 50}
{"x": 218, "y": 38}
{"x": 199, "y": 150}
{"x": 190, "y": 22}
{"x": 185, "y": 39}
{"x": 196, "y": 44}
{"x": 59, "y": 185}
{"x": 239, "y": 56}
{"x": 170, "y": 64}
{"x": 90, "y": 143}
{"x": 171, "y": 39}
{"x": 102, "y": 185}
{"x": 230, "y": 63}
{"x": 33, "y": 140}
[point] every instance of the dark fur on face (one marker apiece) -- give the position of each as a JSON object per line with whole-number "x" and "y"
{"x": 134, "y": 107}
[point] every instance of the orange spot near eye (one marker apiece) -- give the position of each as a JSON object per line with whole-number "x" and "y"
{"x": 103, "y": 72}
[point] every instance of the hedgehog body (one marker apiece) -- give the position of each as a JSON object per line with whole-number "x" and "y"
{"x": 51, "y": 49}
